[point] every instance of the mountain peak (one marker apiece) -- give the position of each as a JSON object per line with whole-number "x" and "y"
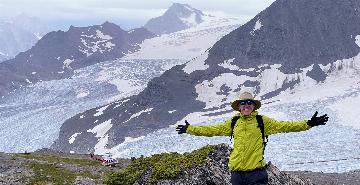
{"x": 182, "y": 10}
{"x": 107, "y": 23}
{"x": 183, "y": 6}
{"x": 177, "y": 17}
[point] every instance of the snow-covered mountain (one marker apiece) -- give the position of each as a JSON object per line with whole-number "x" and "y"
{"x": 58, "y": 53}
{"x": 288, "y": 54}
{"x": 178, "y": 17}
{"x": 189, "y": 43}
{"x": 19, "y": 34}
{"x": 36, "y": 112}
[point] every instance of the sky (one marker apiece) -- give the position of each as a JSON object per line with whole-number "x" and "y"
{"x": 60, "y": 14}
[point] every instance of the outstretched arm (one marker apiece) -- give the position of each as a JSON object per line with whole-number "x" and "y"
{"x": 272, "y": 126}
{"x": 221, "y": 129}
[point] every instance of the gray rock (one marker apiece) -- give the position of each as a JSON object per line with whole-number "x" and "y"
{"x": 84, "y": 180}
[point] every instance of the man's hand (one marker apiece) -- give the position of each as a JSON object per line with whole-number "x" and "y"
{"x": 182, "y": 128}
{"x": 316, "y": 121}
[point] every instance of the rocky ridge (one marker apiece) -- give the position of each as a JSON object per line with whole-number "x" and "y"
{"x": 43, "y": 166}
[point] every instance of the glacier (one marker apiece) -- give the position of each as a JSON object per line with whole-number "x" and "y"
{"x": 31, "y": 117}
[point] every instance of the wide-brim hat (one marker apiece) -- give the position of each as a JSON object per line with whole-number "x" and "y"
{"x": 245, "y": 96}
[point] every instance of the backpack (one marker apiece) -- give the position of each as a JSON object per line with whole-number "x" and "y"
{"x": 260, "y": 125}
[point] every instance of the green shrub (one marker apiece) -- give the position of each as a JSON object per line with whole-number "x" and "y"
{"x": 163, "y": 166}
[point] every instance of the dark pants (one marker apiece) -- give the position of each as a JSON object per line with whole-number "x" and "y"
{"x": 256, "y": 177}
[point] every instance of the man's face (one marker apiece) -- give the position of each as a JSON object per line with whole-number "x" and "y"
{"x": 246, "y": 107}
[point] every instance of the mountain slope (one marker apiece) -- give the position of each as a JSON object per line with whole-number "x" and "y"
{"x": 268, "y": 55}
{"x": 294, "y": 34}
{"x": 58, "y": 53}
{"x": 177, "y": 17}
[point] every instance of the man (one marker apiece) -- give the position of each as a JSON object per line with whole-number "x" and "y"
{"x": 246, "y": 162}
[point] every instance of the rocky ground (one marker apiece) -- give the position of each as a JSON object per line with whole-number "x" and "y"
{"x": 349, "y": 178}
{"x": 49, "y": 167}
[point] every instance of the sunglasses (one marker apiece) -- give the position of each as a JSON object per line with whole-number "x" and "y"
{"x": 244, "y": 102}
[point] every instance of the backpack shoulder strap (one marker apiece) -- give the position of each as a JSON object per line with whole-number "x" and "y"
{"x": 261, "y": 126}
{"x": 233, "y": 123}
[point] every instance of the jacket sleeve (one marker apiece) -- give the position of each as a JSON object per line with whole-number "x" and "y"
{"x": 220, "y": 129}
{"x": 273, "y": 126}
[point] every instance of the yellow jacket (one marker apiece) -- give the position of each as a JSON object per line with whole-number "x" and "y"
{"x": 248, "y": 144}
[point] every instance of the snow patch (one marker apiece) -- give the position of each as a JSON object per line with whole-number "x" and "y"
{"x": 257, "y": 26}
{"x": 227, "y": 64}
{"x": 101, "y": 110}
{"x": 139, "y": 113}
{"x": 209, "y": 91}
{"x": 247, "y": 69}
{"x": 100, "y": 147}
{"x": 73, "y": 137}
{"x": 101, "y": 43}
{"x": 273, "y": 78}
{"x": 67, "y": 63}
{"x": 101, "y": 129}
{"x": 357, "y": 40}
{"x": 171, "y": 111}
{"x": 101, "y": 35}
{"x": 109, "y": 45}
{"x": 197, "y": 63}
